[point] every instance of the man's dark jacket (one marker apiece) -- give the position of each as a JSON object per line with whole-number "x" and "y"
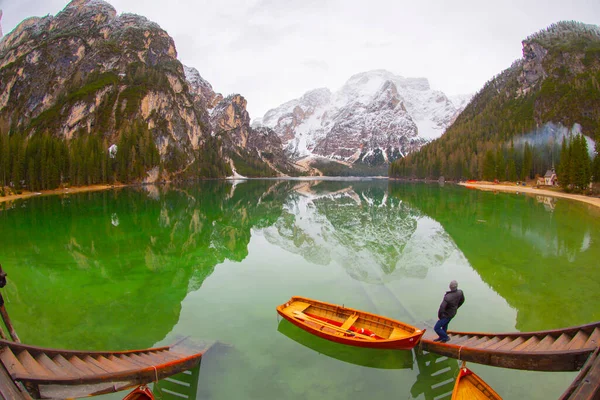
{"x": 452, "y": 300}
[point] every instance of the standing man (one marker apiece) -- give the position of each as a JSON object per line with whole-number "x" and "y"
{"x": 452, "y": 300}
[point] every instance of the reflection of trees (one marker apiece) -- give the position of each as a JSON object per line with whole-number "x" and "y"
{"x": 356, "y": 224}
{"x": 72, "y": 266}
{"x": 541, "y": 262}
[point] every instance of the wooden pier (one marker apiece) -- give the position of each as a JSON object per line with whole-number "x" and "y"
{"x": 554, "y": 350}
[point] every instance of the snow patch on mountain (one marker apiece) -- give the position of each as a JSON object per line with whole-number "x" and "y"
{"x": 373, "y": 110}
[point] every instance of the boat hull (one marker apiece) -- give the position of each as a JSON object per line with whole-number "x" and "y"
{"x": 328, "y": 321}
{"x": 469, "y": 386}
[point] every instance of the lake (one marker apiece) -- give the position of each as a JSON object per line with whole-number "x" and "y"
{"x": 143, "y": 266}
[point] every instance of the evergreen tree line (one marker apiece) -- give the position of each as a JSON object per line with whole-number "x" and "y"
{"x": 500, "y": 111}
{"x": 209, "y": 161}
{"x": 43, "y": 162}
{"x": 575, "y": 170}
{"x": 509, "y": 164}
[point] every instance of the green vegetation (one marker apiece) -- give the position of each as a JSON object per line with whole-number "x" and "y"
{"x": 333, "y": 168}
{"x": 136, "y": 153}
{"x": 250, "y": 165}
{"x": 209, "y": 162}
{"x": 501, "y": 113}
{"x": 42, "y": 161}
{"x": 575, "y": 167}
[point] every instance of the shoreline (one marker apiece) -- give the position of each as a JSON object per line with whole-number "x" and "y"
{"x": 70, "y": 190}
{"x": 488, "y": 187}
{"x": 492, "y": 187}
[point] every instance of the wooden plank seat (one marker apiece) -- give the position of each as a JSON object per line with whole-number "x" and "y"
{"x": 349, "y": 322}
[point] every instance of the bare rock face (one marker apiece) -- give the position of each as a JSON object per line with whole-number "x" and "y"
{"x": 201, "y": 88}
{"x": 374, "y": 118}
{"x": 230, "y": 117}
{"x": 90, "y": 70}
{"x": 231, "y": 122}
{"x": 533, "y": 69}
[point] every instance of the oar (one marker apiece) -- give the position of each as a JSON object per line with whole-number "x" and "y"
{"x": 300, "y": 314}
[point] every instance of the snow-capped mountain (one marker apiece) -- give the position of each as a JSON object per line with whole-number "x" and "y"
{"x": 375, "y": 115}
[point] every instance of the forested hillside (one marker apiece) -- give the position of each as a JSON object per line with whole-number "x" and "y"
{"x": 514, "y": 126}
{"x": 89, "y": 96}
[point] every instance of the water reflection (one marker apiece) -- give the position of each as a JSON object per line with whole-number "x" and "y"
{"x": 539, "y": 258}
{"x": 123, "y": 261}
{"x": 436, "y": 377}
{"x": 372, "y": 358}
{"x": 374, "y": 237}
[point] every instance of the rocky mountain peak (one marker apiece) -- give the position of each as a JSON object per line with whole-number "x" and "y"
{"x": 96, "y": 9}
{"x": 532, "y": 66}
{"x": 230, "y": 117}
{"x": 231, "y": 113}
{"x": 373, "y": 112}
{"x": 201, "y": 88}
{"x": 88, "y": 70}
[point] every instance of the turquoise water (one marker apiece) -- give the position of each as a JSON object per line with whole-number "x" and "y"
{"x": 140, "y": 267}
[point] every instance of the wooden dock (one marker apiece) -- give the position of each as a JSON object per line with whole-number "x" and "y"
{"x": 586, "y": 385}
{"x": 554, "y": 350}
{"x": 52, "y": 373}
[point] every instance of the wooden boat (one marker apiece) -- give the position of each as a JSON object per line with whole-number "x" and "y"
{"x": 349, "y": 326}
{"x": 140, "y": 393}
{"x": 469, "y": 386}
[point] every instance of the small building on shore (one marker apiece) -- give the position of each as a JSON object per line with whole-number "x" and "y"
{"x": 550, "y": 178}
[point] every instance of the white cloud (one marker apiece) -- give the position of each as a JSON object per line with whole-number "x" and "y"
{"x": 271, "y": 51}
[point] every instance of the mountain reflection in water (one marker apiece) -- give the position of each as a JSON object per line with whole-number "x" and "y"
{"x": 123, "y": 261}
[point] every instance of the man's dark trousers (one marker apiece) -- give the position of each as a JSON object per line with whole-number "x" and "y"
{"x": 441, "y": 327}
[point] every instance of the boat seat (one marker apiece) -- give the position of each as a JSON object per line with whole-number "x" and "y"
{"x": 298, "y": 306}
{"x": 398, "y": 333}
{"x": 348, "y": 323}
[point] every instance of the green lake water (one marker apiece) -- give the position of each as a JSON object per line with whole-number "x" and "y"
{"x": 140, "y": 267}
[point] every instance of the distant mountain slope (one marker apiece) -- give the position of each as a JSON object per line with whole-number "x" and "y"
{"x": 89, "y": 96}
{"x": 88, "y": 71}
{"x": 374, "y": 118}
{"x": 557, "y": 81}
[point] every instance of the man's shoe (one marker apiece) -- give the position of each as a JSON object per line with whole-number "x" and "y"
{"x": 444, "y": 340}
{"x": 437, "y": 340}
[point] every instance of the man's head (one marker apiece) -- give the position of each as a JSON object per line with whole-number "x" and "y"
{"x": 453, "y": 285}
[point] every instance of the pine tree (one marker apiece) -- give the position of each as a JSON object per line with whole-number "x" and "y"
{"x": 596, "y": 164}
{"x": 489, "y": 166}
{"x": 562, "y": 169}
{"x": 527, "y": 162}
{"x": 500, "y": 165}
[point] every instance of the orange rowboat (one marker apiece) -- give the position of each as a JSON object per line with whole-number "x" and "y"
{"x": 140, "y": 393}
{"x": 469, "y": 386}
{"x": 349, "y": 326}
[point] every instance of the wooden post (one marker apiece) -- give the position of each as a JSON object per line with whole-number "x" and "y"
{"x": 5, "y": 317}
{"x": 2, "y": 335}
{"x": 7, "y": 322}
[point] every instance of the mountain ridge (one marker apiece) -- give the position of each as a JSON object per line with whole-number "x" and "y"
{"x": 555, "y": 82}
{"x": 374, "y": 111}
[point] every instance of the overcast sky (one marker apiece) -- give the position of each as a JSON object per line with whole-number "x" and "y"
{"x": 272, "y": 51}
